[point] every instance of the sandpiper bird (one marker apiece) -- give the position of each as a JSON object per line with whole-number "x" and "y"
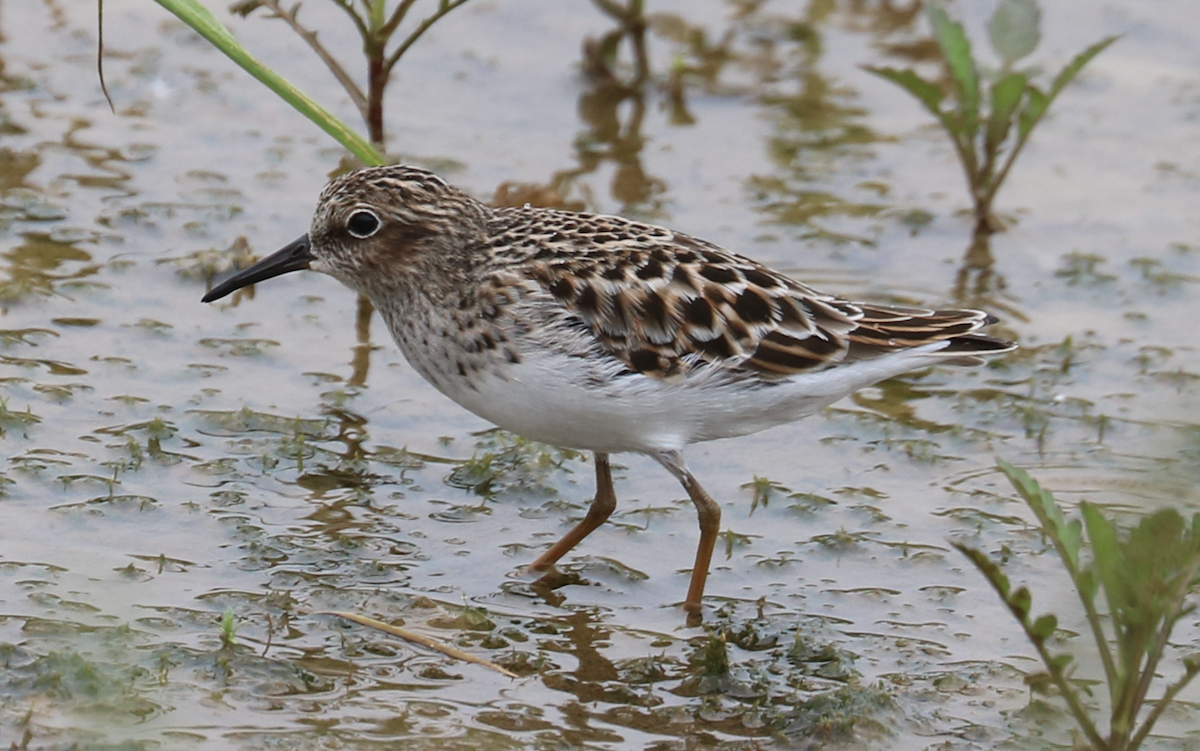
{"x": 604, "y": 334}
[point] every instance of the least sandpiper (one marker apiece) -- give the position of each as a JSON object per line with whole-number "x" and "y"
{"x": 604, "y": 334}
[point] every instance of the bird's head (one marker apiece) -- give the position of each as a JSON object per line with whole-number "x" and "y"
{"x": 374, "y": 229}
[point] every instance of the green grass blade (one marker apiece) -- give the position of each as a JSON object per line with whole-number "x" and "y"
{"x": 1019, "y": 600}
{"x": 1067, "y": 537}
{"x": 196, "y": 16}
{"x": 1068, "y": 73}
{"x": 926, "y": 92}
{"x": 956, "y": 51}
{"x": 1191, "y": 669}
{"x": 1036, "y": 103}
{"x": 931, "y": 96}
{"x": 1006, "y": 95}
{"x": 1110, "y": 566}
{"x": 1109, "y": 558}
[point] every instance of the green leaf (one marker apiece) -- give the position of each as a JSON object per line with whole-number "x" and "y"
{"x": 1191, "y": 663}
{"x": 1061, "y": 661}
{"x": 987, "y": 567}
{"x": 956, "y": 53}
{"x": 1102, "y": 534}
{"x": 1014, "y": 29}
{"x": 204, "y": 23}
{"x": 1067, "y": 538}
{"x": 1043, "y": 628}
{"x": 1087, "y": 584}
{"x": 1019, "y": 603}
{"x": 1160, "y": 545}
{"x": 1068, "y": 73}
{"x": 1006, "y": 95}
{"x": 1036, "y": 103}
{"x": 926, "y": 92}
{"x": 1108, "y": 563}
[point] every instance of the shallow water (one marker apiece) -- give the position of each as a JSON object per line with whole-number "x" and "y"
{"x": 167, "y": 460}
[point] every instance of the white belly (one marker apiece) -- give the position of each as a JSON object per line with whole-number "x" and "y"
{"x": 564, "y": 401}
{"x": 566, "y": 391}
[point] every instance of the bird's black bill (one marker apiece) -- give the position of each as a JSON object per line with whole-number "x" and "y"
{"x": 294, "y": 256}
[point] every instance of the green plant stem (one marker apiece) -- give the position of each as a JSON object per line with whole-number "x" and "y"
{"x": 379, "y": 64}
{"x": 967, "y": 158}
{"x": 1160, "y": 643}
{"x": 1167, "y": 697}
{"x": 378, "y": 9}
{"x": 377, "y": 78}
{"x": 1093, "y": 618}
{"x": 1064, "y": 688}
{"x": 1014, "y": 153}
{"x": 994, "y": 182}
{"x": 206, "y": 25}
{"x": 1052, "y": 527}
{"x": 1018, "y": 604}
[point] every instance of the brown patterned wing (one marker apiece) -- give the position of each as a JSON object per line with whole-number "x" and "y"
{"x": 888, "y": 328}
{"x": 665, "y": 305}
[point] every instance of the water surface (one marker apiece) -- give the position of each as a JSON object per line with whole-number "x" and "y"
{"x": 167, "y": 460}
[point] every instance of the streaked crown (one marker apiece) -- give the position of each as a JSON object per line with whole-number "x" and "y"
{"x": 390, "y": 221}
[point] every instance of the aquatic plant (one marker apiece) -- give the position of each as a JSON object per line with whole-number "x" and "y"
{"x": 1145, "y": 577}
{"x": 991, "y": 113}
{"x": 228, "y": 627}
{"x": 204, "y": 23}
{"x": 376, "y": 26}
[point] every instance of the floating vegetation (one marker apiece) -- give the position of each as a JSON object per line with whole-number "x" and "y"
{"x": 504, "y": 462}
{"x": 18, "y": 421}
{"x": 241, "y": 347}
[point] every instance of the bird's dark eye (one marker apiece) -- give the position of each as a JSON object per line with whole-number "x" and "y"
{"x": 363, "y": 223}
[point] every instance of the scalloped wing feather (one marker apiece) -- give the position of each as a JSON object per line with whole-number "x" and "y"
{"x": 664, "y": 303}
